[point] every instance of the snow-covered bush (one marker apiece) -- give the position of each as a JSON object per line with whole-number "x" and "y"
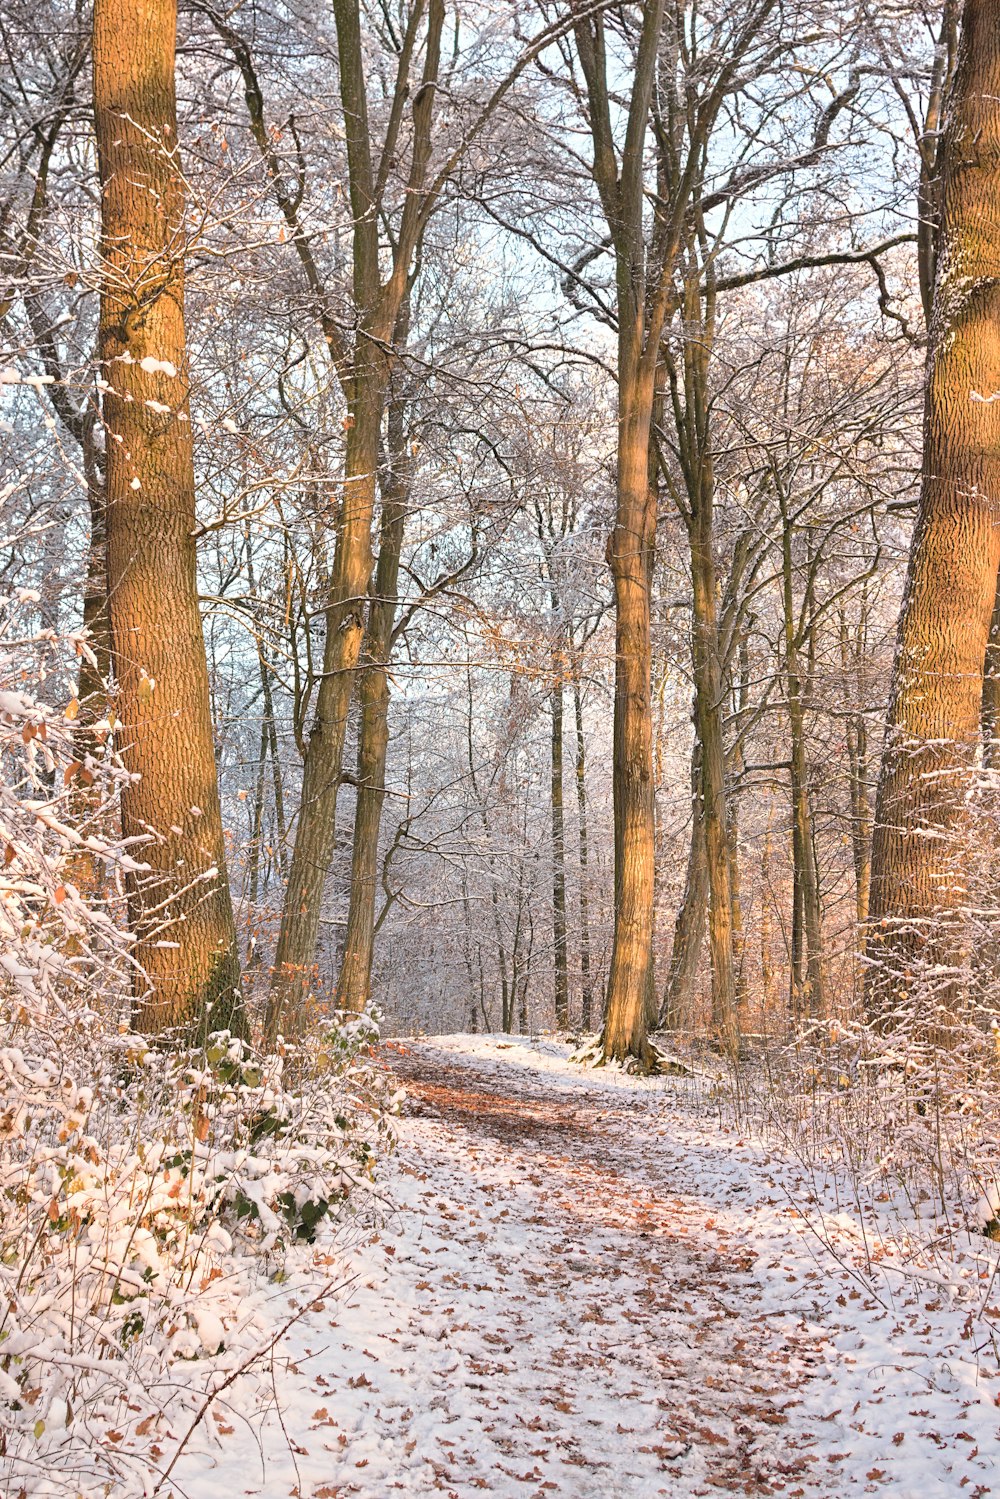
{"x": 140, "y": 1211}
{"x": 148, "y": 1194}
{"x": 57, "y": 824}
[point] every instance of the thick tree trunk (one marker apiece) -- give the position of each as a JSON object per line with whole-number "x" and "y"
{"x": 354, "y": 986}
{"x": 181, "y": 911}
{"x": 631, "y": 546}
{"x": 918, "y": 866}
{"x": 630, "y": 549}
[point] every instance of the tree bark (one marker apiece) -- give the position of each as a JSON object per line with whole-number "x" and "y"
{"x": 354, "y": 985}
{"x": 640, "y": 320}
{"x": 808, "y": 996}
{"x": 918, "y": 867}
{"x": 586, "y": 984}
{"x": 365, "y": 377}
{"x": 991, "y": 689}
{"x": 856, "y": 735}
{"x": 181, "y": 911}
{"x": 630, "y": 555}
{"x": 689, "y": 924}
{"x": 561, "y": 976}
{"x": 734, "y": 772}
{"x": 708, "y": 680}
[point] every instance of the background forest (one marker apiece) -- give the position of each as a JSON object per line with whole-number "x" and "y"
{"x": 498, "y": 533}
{"x": 467, "y": 854}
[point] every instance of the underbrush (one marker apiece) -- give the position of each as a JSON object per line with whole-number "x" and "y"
{"x": 897, "y": 1143}
{"x": 153, "y": 1197}
{"x": 149, "y": 1200}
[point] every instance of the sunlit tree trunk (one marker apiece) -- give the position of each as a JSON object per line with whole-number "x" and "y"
{"x": 354, "y": 986}
{"x": 632, "y": 540}
{"x": 632, "y": 772}
{"x": 181, "y": 911}
{"x": 918, "y": 868}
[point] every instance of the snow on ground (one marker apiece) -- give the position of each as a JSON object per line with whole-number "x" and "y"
{"x": 585, "y": 1286}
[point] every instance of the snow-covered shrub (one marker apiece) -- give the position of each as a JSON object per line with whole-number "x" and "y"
{"x": 56, "y": 821}
{"x": 900, "y": 1135}
{"x": 148, "y": 1194}
{"x": 143, "y": 1197}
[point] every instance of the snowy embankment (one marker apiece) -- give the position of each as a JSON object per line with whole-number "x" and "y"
{"x": 585, "y": 1286}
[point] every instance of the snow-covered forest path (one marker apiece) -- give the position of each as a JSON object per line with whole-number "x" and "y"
{"x": 587, "y": 1290}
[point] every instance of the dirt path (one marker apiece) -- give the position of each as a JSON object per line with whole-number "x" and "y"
{"x": 658, "y": 1310}
{"x": 584, "y": 1289}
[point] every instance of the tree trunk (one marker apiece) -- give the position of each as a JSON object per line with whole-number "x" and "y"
{"x": 735, "y": 771}
{"x": 640, "y": 321}
{"x": 991, "y": 689}
{"x": 256, "y": 838}
{"x": 856, "y": 735}
{"x": 689, "y": 926}
{"x": 807, "y": 997}
{"x": 586, "y": 985}
{"x": 365, "y": 377}
{"x": 87, "y": 872}
{"x": 692, "y": 415}
{"x": 918, "y": 868}
{"x": 766, "y": 934}
{"x": 315, "y": 835}
{"x": 708, "y": 680}
{"x": 181, "y": 911}
{"x": 354, "y": 986}
{"x": 559, "y": 861}
{"x": 630, "y": 554}
{"x": 92, "y": 687}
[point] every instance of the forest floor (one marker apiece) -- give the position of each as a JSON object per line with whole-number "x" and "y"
{"x": 587, "y": 1286}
